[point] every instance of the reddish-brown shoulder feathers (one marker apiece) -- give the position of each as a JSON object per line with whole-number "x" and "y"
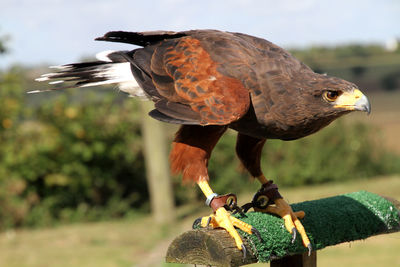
{"x": 184, "y": 72}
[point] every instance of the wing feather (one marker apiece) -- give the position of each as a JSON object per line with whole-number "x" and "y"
{"x": 183, "y": 72}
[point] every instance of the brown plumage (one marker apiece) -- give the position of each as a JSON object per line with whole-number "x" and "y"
{"x": 208, "y": 77}
{"x": 209, "y": 81}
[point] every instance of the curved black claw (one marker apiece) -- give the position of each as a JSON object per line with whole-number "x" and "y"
{"x": 208, "y": 221}
{"x": 244, "y": 251}
{"x": 294, "y": 234}
{"x": 309, "y": 249}
{"x": 257, "y": 233}
{"x": 197, "y": 223}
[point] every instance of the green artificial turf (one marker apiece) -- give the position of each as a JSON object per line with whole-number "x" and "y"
{"x": 328, "y": 221}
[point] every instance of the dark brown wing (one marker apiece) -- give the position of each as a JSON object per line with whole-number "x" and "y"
{"x": 206, "y": 76}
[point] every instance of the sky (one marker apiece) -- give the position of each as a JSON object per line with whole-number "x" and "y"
{"x": 62, "y": 31}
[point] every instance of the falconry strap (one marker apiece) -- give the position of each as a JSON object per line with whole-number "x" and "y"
{"x": 228, "y": 201}
{"x": 264, "y": 197}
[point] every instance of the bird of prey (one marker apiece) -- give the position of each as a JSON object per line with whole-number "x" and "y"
{"x": 208, "y": 81}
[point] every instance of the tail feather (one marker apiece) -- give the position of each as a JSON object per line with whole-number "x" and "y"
{"x": 139, "y": 38}
{"x": 112, "y": 68}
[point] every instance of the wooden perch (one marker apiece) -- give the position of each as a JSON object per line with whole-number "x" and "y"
{"x": 208, "y": 247}
{"x": 216, "y": 248}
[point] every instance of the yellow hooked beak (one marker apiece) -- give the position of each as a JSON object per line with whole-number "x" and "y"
{"x": 354, "y": 100}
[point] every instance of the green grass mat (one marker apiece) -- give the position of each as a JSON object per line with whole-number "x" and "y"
{"x": 328, "y": 221}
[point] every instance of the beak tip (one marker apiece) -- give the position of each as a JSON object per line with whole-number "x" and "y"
{"x": 363, "y": 104}
{"x": 368, "y": 109}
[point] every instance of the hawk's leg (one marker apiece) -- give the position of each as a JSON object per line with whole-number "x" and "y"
{"x": 249, "y": 150}
{"x": 190, "y": 153}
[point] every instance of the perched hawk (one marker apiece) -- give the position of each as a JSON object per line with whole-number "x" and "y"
{"x": 209, "y": 81}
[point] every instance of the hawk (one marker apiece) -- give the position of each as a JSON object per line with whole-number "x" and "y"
{"x": 208, "y": 81}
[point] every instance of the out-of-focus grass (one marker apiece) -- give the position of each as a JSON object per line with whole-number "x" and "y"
{"x": 141, "y": 243}
{"x": 386, "y": 116}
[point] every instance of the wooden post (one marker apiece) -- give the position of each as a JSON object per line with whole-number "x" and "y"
{"x": 157, "y": 169}
{"x": 300, "y": 260}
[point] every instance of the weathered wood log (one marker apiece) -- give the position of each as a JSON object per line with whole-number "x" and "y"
{"x": 216, "y": 248}
{"x": 208, "y": 247}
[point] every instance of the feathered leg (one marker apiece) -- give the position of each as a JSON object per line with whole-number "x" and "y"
{"x": 249, "y": 151}
{"x": 189, "y": 155}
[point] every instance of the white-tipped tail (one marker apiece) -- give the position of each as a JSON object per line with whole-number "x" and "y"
{"x": 110, "y": 69}
{"x": 103, "y": 56}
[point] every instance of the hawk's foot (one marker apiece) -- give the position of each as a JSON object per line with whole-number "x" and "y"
{"x": 268, "y": 199}
{"x": 291, "y": 219}
{"x": 223, "y": 219}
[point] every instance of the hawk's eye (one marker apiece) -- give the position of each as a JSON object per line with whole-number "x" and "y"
{"x": 331, "y": 95}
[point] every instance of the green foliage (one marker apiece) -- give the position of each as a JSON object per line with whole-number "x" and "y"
{"x": 3, "y": 47}
{"x": 358, "y": 71}
{"x": 75, "y": 157}
{"x": 369, "y": 66}
{"x": 342, "y": 151}
{"x": 391, "y": 81}
{"x": 340, "y": 52}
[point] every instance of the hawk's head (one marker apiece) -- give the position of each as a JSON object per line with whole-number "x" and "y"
{"x": 304, "y": 106}
{"x": 321, "y": 99}
{"x": 338, "y": 96}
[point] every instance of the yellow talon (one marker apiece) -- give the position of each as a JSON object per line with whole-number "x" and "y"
{"x": 302, "y": 232}
{"x": 224, "y": 220}
{"x": 207, "y": 221}
{"x": 242, "y": 225}
{"x": 291, "y": 220}
{"x": 289, "y": 225}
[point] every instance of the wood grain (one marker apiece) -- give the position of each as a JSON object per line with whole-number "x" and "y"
{"x": 208, "y": 247}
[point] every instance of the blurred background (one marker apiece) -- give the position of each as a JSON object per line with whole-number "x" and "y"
{"x": 74, "y": 190}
